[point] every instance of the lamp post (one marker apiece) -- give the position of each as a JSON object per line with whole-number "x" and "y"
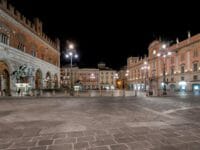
{"x": 145, "y": 68}
{"x": 71, "y": 53}
{"x": 163, "y": 53}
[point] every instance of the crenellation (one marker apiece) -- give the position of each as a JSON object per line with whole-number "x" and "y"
{"x": 48, "y": 40}
{"x": 33, "y": 27}
{"x": 11, "y": 9}
{"x": 36, "y": 26}
{"x": 4, "y": 4}
{"x": 51, "y": 42}
{"x": 57, "y": 44}
{"x": 23, "y": 19}
{"x": 18, "y": 14}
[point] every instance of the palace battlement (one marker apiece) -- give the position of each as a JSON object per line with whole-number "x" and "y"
{"x": 36, "y": 26}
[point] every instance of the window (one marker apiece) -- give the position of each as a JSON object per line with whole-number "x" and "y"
{"x": 195, "y": 77}
{"x": 3, "y": 38}
{"x": 42, "y": 56}
{"x": 21, "y": 46}
{"x": 172, "y": 60}
{"x": 195, "y": 67}
{"x": 154, "y": 65}
{"x": 182, "y": 69}
{"x": 50, "y": 60}
{"x": 154, "y": 52}
{"x": 195, "y": 53}
{"x": 182, "y": 57}
{"x": 182, "y": 78}
{"x": 172, "y": 71}
{"x": 33, "y": 53}
{"x": 172, "y": 79}
{"x": 21, "y": 40}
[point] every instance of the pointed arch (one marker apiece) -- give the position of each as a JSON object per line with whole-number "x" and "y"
{"x": 4, "y": 79}
{"x": 38, "y": 79}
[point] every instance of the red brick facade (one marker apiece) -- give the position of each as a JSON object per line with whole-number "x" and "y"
{"x": 31, "y": 40}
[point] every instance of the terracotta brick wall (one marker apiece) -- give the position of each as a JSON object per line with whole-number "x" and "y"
{"x": 48, "y": 52}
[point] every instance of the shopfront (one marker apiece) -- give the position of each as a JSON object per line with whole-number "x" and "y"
{"x": 196, "y": 88}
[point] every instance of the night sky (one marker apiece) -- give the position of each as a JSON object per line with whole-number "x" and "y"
{"x": 112, "y": 31}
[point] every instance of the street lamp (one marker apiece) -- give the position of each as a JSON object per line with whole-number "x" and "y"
{"x": 163, "y": 53}
{"x": 71, "y": 53}
{"x": 145, "y": 68}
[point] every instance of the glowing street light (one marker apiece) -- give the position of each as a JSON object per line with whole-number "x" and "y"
{"x": 163, "y": 52}
{"x": 71, "y": 53}
{"x": 145, "y": 68}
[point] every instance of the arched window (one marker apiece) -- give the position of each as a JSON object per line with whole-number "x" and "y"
{"x": 4, "y": 38}
{"x": 21, "y": 40}
{"x": 195, "y": 66}
{"x": 33, "y": 50}
{"x": 4, "y": 33}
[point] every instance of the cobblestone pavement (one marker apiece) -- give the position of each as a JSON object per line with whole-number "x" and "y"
{"x": 145, "y": 123}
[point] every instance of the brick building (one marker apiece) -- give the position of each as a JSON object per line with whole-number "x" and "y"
{"x": 24, "y": 47}
{"x": 182, "y": 67}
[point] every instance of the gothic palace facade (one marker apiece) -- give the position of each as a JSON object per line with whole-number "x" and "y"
{"x": 28, "y": 58}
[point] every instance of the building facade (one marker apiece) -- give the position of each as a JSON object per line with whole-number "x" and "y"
{"x": 122, "y": 81}
{"x": 181, "y": 67}
{"x": 28, "y": 58}
{"x": 107, "y": 79}
{"x": 88, "y": 78}
{"x": 136, "y": 78}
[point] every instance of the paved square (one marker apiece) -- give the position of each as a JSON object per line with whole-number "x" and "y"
{"x": 131, "y": 123}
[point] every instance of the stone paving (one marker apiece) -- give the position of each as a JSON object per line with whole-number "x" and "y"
{"x": 132, "y": 123}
